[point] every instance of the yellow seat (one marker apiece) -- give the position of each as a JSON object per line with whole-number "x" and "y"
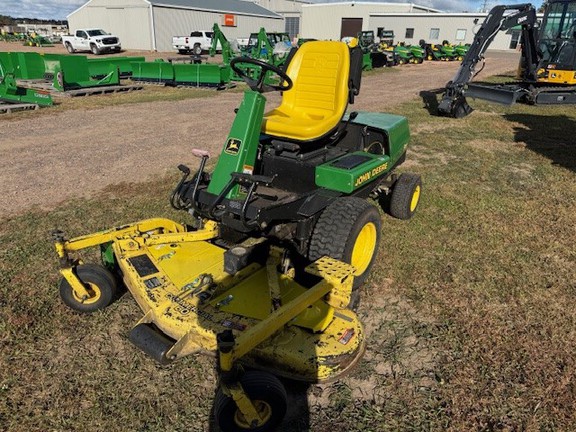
{"x": 315, "y": 104}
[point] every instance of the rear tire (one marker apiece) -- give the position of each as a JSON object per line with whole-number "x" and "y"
{"x": 266, "y": 393}
{"x": 405, "y": 196}
{"x": 69, "y": 48}
{"x": 348, "y": 230}
{"x": 197, "y": 49}
{"x": 100, "y": 284}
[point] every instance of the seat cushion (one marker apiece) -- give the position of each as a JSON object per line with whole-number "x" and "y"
{"x": 315, "y": 104}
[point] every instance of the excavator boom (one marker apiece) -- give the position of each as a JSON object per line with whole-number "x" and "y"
{"x": 548, "y": 58}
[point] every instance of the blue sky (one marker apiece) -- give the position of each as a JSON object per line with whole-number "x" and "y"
{"x": 58, "y": 9}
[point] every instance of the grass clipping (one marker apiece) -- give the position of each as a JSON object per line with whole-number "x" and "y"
{"x": 470, "y": 312}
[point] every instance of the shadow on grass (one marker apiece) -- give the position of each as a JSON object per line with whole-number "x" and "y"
{"x": 551, "y": 136}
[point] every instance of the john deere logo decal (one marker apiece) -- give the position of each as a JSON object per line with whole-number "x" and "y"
{"x": 233, "y": 146}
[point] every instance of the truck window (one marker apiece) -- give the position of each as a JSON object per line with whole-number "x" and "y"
{"x": 210, "y": 34}
{"x": 196, "y": 34}
{"x": 97, "y": 32}
{"x": 80, "y": 34}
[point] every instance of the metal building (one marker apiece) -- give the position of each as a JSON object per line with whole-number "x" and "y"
{"x": 410, "y": 23}
{"x": 150, "y": 24}
{"x": 456, "y": 28}
{"x": 333, "y": 21}
{"x": 291, "y": 10}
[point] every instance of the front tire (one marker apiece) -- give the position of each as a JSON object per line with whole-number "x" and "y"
{"x": 94, "y": 49}
{"x": 266, "y": 393}
{"x": 405, "y": 196}
{"x": 348, "y": 230}
{"x": 100, "y": 284}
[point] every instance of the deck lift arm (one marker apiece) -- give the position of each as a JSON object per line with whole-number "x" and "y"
{"x": 453, "y": 102}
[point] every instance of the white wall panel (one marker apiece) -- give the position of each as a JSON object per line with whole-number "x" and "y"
{"x": 180, "y": 22}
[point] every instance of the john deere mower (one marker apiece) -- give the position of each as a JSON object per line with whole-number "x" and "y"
{"x": 440, "y": 52}
{"x": 281, "y": 238}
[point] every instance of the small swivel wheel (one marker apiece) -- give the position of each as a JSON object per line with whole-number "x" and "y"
{"x": 258, "y": 83}
{"x": 100, "y": 285}
{"x": 268, "y": 396}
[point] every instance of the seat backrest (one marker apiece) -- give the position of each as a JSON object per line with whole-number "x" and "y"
{"x": 319, "y": 71}
{"x": 314, "y": 106}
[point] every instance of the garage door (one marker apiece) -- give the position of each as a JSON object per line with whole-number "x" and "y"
{"x": 350, "y": 27}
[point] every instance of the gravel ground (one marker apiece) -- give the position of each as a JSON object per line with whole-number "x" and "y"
{"x": 59, "y": 156}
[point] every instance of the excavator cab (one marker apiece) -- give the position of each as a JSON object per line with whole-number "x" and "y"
{"x": 557, "y": 44}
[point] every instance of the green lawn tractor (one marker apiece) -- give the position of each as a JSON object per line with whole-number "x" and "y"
{"x": 418, "y": 52}
{"x": 460, "y": 51}
{"x": 282, "y": 236}
{"x": 34, "y": 39}
{"x": 444, "y": 52}
{"x": 404, "y": 54}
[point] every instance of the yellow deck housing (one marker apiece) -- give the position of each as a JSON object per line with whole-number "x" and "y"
{"x": 178, "y": 280}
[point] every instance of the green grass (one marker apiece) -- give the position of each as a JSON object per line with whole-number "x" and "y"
{"x": 470, "y": 312}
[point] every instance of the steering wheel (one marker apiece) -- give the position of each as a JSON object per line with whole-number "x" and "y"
{"x": 258, "y": 84}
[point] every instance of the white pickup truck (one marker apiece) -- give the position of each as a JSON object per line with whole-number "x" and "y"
{"x": 197, "y": 42}
{"x": 95, "y": 40}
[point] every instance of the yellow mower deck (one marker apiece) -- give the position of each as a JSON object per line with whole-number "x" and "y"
{"x": 178, "y": 280}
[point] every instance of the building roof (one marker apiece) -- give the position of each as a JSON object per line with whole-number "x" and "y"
{"x": 409, "y": 6}
{"x": 226, "y": 6}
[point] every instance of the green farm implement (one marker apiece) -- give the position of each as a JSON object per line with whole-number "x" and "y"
{"x": 181, "y": 74}
{"x": 10, "y": 91}
{"x": 193, "y": 73}
{"x": 55, "y": 72}
{"x": 100, "y": 67}
{"x": 272, "y": 47}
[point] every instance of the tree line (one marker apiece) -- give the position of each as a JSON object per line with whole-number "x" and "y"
{"x": 8, "y": 20}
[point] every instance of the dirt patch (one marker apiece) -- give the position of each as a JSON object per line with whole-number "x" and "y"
{"x": 75, "y": 153}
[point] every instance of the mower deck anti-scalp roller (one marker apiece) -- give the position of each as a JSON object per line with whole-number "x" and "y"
{"x": 281, "y": 238}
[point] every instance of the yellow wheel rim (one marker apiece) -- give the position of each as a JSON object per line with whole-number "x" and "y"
{"x": 264, "y": 411}
{"x": 415, "y": 198}
{"x": 364, "y": 248}
{"x": 94, "y": 294}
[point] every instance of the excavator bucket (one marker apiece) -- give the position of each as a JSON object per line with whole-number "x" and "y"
{"x": 506, "y": 95}
{"x": 455, "y": 106}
